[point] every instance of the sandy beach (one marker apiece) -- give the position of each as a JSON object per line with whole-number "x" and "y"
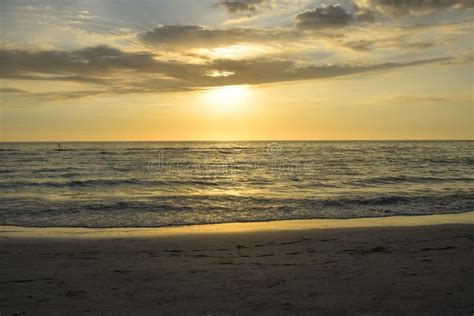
{"x": 350, "y": 269}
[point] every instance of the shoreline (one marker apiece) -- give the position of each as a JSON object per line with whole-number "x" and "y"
{"x": 7, "y": 231}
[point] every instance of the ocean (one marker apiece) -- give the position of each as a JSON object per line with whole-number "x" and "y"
{"x": 151, "y": 184}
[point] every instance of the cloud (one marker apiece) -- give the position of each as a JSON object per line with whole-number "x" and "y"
{"x": 364, "y": 15}
{"x": 401, "y": 42}
{"x": 92, "y": 65}
{"x": 418, "y": 99}
{"x": 12, "y": 90}
{"x": 241, "y": 6}
{"x": 361, "y": 45}
{"x": 405, "y": 7}
{"x": 329, "y": 16}
{"x": 261, "y": 71}
{"x": 444, "y": 99}
{"x": 417, "y": 45}
{"x": 118, "y": 72}
{"x": 198, "y": 36}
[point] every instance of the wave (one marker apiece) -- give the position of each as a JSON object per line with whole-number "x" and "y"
{"x": 146, "y": 184}
{"x": 375, "y": 181}
{"x": 188, "y": 209}
{"x": 59, "y": 169}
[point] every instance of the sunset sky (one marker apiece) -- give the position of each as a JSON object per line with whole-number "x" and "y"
{"x": 236, "y": 70}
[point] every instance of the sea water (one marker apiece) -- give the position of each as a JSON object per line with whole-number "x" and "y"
{"x": 134, "y": 184}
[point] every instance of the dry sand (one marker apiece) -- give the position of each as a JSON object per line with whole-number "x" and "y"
{"x": 347, "y": 270}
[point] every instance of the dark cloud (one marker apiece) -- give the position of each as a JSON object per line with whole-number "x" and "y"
{"x": 323, "y": 17}
{"x": 417, "y": 45}
{"x": 197, "y": 36}
{"x": 189, "y": 35}
{"x": 362, "y": 45}
{"x": 121, "y": 72}
{"x": 405, "y": 7}
{"x": 399, "y": 42}
{"x": 264, "y": 71}
{"x": 96, "y": 64}
{"x": 241, "y": 6}
{"x": 364, "y": 15}
{"x": 12, "y": 90}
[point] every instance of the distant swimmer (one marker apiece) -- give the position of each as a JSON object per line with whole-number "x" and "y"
{"x": 59, "y": 145}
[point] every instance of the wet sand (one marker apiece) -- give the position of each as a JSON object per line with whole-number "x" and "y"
{"x": 300, "y": 269}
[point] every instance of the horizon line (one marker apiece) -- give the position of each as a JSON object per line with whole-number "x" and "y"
{"x": 242, "y": 140}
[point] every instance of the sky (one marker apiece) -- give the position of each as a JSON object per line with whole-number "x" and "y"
{"x": 117, "y": 70}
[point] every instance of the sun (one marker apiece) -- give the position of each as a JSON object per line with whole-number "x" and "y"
{"x": 227, "y": 98}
